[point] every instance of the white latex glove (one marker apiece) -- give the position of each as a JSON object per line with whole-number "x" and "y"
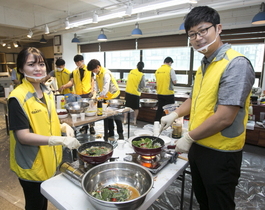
{"x": 65, "y": 128}
{"x": 184, "y": 143}
{"x": 71, "y": 143}
{"x": 167, "y": 120}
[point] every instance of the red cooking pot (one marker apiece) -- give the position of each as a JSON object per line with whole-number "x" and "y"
{"x": 95, "y": 160}
{"x": 145, "y": 151}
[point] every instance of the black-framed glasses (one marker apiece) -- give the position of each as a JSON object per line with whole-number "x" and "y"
{"x": 201, "y": 33}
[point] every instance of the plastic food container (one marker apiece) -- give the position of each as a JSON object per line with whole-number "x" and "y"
{"x": 170, "y": 108}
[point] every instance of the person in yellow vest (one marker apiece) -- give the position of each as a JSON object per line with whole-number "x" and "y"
{"x": 165, "y": 81}
{"x": 218, "y": 109}
{"x": 15, "y": 77}
{"x": 135, "y": 82}
{"x": 83, "y": 83}
{"x": 108, "y": 89}
{"x": 34, "y": 129}
{"x": 61, "y": 74}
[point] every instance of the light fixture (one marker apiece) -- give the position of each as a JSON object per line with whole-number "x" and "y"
{"x": 128, "y": 11}
{"x": 95, "y": 17}
{"x": 15, "y": 44}
{"x": 3, "y": 43}
{"x": 260, "y": 17}
{"x": 136, "y": 31}
{"x": 75, "y": 39}
{"x": 47, "y": 30}
{"x": 102, "y": 36}
{"x": 30, "y": 34}
{"x": 8, "y": 46}
{"x": 43, "y": 40}
{"x": 182, "y": 27}
{"x": 67, "y": 24}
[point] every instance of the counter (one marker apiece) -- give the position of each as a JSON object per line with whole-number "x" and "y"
{"x": 64, "y": 194}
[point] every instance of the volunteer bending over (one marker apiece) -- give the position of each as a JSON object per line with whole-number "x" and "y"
{"x": 35, "y": 129}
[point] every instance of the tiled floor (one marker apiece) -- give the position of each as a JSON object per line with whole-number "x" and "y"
{"x": 250, "y": 193}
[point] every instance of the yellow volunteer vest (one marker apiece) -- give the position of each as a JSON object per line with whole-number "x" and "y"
{"x": 163, "y": 80}
{"x": 114, "y": 90}
{"x": 204, "y": 101}
{"x": 84, "y": 86}
{"x": 62, "y": 78}
{"x": 134, "y": 79}
{"x": 35, "y": 163}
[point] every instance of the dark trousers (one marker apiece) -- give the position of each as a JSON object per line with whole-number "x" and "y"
{"x": 33, "y": 198}
{"x": 162, "y": 101}
{"x": 109, "y": 125}
{"x": 215, "y": 176}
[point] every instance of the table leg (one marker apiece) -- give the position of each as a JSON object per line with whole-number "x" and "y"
{"x": 106, "y": 125}
{"x": 128, "y": 120}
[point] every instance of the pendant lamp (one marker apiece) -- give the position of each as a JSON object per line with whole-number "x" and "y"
{"x": 181, "y": 27}
{"x": 102, "y": 36}
{"x": 260, "y": 17}
{"x": 75, "y": 39}
{"x": 43, "y": 40}
{"x": 136, "y": 31}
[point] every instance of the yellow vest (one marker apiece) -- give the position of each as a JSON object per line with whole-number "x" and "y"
{"x": 62, "y": 78}
{"x": 84, "y": 86}
{"x": 134, "y": 79}
{"x": 114, "y": 90}
{"x": 163, "y": 80}
{"x": 204, "y": 102}
{"x": 35, "y": 163}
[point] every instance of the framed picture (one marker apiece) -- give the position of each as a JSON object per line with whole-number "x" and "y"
{"x": 57, "y": 40}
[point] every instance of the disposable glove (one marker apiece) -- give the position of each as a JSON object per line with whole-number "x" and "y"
{"x": 167, "y": 120}
{"x": 65, "y": 128}
{"x": 71, "y": 143}
{"x": 184, "y": 143}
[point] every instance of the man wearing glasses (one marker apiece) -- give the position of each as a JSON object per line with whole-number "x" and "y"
{"x": 218, "y": 109}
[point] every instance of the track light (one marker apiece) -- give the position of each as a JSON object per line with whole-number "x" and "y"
{"x": 15, "y": 44}
{"x": 67, "y": 24}
{"x": 43, "y": 40}
{"x": 102, "y": 36}
{"x": 128, "y": 11}
{"x": 8, "y": 46}
{"x": 260, "y": 17}
{"x": 75, "y": 39}
{"x": 2, "y": 43}
{"x": 95, "y": 17}
{"x": 30, "y": 34}
{"x": 136, "y": 31}
{"x": 47, "y": 30}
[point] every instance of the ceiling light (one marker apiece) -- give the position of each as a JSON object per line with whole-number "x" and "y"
{"x": 3, "y": 43}
{"x": 136, "y": 31}
{"x": 43, "y": 40}
{"x": 102, "y": 36}
{"x": 128, "y": 11}
{"x": 75, "y": 39}
{"x": 30, "y": 34}
{"x": 260, "y": 17}
{"x": 95, "y": 18}
{"x": 8, "y": 46}
{"x": 47, "y": 30}
{"x": 67, "y": 24}
{"x": 15, "y": 44}
{"x": 182, "y": 27}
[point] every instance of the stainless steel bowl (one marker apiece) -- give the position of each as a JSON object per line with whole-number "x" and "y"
{"x": 117, "y": 172}
{"x": 117, "y": 103}
{"x": 76, "y": 107}
{"x": 148, "y": 102}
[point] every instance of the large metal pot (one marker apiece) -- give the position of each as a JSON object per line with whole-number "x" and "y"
{"x": 94, "y": 160}
{"x": 148, "y": 102}
{"x": 116, "y": 103}
{"x": 110, "y": 173}
{"x": 145, "y": 151}
{"x": 76, "y": 107}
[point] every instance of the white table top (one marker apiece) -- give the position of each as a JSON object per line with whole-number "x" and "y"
{"x": 64, "y": 194}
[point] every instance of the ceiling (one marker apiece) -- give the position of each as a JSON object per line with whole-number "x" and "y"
{"x": 18, "y": 17}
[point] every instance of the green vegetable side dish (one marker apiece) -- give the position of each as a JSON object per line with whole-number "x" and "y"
{"x": 112, "y": 193}
{"x": 96, "y": 151}
{"x": 146, "y": 143}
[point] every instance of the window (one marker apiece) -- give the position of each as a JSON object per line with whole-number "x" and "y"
{"x": 94, "y": 55}
{"x": 126, "y": 59}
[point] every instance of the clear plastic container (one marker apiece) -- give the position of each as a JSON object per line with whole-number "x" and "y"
{"x": 170, "y": 108}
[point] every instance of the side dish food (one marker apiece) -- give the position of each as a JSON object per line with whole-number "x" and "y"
{"x": 116, "y": 193}
{"x": 96, "y": 151}
{"x": 146, "y": 143}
